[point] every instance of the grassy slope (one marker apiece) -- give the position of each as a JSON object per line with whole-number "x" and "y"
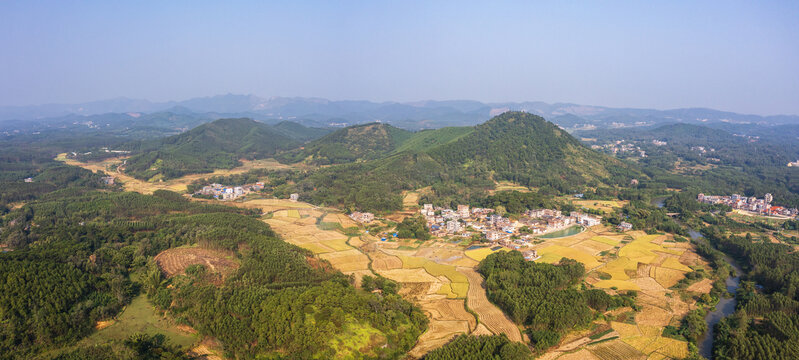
{"x": 428, "y": 139}
{"x": 140, "y": 317}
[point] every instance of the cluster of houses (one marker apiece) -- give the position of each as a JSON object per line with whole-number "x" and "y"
{"x": 363, "y": 217}
{"x": 499, "y": 229}
{"x": 620, "y": 146}
{"x": 221, "y": 192}
{"x": 702, "y": 149}
{"x": 760, "y": 206}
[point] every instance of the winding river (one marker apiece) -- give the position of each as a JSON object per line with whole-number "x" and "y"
{"x": 725, "y": 306}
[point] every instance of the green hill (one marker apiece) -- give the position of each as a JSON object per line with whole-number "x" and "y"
{"x": 354, "y": 143}
{"x": 526, "y": 149}
{"x": 427, "y": 139}
{"x": 216, "y": 145}
{"x": 514, "y": 146}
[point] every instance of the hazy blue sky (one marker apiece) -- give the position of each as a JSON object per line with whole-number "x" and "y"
{"x": 729, "y": 55}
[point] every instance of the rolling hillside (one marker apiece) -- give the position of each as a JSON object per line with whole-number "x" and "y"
{"x": 514, "y": 146}
{"x": 216, "y": 145}
{"x": 526, "y": 149}
{"x": 354, "y": 143}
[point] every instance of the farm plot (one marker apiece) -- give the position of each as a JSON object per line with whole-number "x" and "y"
{"x": 642, "y": 249}
{"x": 490, "y": 315}
{"x": 618, "y": 268}
{"x": 448, "y": 317}
{"x": 615, "y": 350}
{"x": 174, "y": 261}
{"x": 604, "y": 205}
{"x": 592, "y": 247}
{"x": 381, "y": 261}
{"x": 703, "y": 287}
{"x": 606, "y": 240}
{"x": 459, "y": 283}
{"x": 347, "y": 261}
{"x": 481, "y": 253}
{"x": 666, "y": 276}
{"x": 554, "y": 253}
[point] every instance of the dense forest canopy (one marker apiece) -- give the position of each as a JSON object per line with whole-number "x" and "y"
{"x": 542, "y": 297}
{"x": 75, "y": 253}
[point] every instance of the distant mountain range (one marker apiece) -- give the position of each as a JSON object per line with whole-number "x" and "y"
{"x": 317, "y": 112}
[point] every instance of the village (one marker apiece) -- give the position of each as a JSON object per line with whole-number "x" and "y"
{"x": 749, "y": 204}
{"x": 222, "y": 192}
{"x": 620, "y": 146}
{"x": 498, "y": 229}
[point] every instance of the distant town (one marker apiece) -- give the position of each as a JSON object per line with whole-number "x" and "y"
{"x": 751, "y": 204}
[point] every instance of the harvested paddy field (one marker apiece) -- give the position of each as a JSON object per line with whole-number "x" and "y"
{"x": 491, "y": 316}
{"x": 448, "y": 317}
{"x": 604, "y": 205}
{"x": 454, "y": 284}
{"x": 381, "y": 261}
{"x": 296, "y": 223}
{"x": 648, "y": 264}
{"x": 553, "y": 253}
{"x": 174, "y": 261}
{"x": 481, "y": 253}
{"x": 703, "y": 286}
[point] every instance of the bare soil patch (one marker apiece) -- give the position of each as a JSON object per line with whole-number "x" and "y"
{"x": 174, "y": 261}
{"x": 703, "y": 286}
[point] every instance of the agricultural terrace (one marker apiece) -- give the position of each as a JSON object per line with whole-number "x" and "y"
{"x": 130, "y": 183}
{"x": 648, "y": 264}
{"x": 439, "y": 276}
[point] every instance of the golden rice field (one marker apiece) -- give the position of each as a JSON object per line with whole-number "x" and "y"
{"x": 649, "y": 264}
{"x": 604, "y": 205}
{"x": 618, "y": 284}
{"x": 481, "y": 253}
{"x": 459, "y": 284}
{"x": 554, "y": 253}
{"x": 618, "y": 268}
{"x": 606, "y": 240}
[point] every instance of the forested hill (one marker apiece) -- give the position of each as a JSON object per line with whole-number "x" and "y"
{"x": 216, "y": 145}
{"x": 515, "y": 146}
{"x": 360, "y": 142}
{"x": 526, "y": 149}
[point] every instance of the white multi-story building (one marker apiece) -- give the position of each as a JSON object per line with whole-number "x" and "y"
{"x": 453, "y": 226}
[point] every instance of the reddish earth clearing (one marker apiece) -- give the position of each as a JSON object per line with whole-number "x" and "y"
{"x": 175, "y": 261}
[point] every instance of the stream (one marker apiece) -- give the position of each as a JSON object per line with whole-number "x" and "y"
{"x": 725, "y": 306}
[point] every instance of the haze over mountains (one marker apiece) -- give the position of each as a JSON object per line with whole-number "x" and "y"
{"x": 319, "y": 112}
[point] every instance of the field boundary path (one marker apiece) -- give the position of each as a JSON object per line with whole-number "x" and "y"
{"x": 490, "y": 315}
